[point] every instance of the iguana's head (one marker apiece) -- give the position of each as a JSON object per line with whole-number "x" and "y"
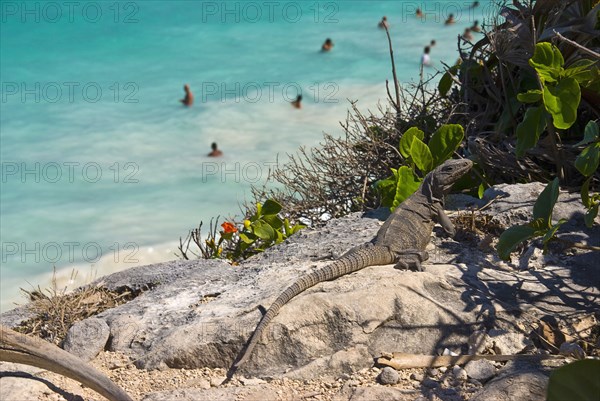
{"x": 447, "y": 173}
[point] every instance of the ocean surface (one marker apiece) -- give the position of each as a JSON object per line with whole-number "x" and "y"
{"x": 104, "y": 169}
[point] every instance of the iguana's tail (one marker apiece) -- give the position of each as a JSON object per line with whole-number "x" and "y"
{"x": 20, "y": 348}
{"x": 351, "y": 262}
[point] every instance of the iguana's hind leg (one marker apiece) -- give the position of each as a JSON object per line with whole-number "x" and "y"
{"x": 411, "y": 259}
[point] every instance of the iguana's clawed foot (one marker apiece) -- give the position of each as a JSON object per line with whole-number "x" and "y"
{"x": 411, "y": 260}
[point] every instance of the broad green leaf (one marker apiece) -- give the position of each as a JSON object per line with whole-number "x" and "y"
{"x": 263, "y": 230}
{"x": 421, "y": 155}
{"x": 590, "y": 215}
{"x": 407, "y": 184}
{"x": 531, "y": 96}
{"x": 445, "y": 141}
{"x": 585, "y": 193}
{"x": 539, "y": 225}
{"x": 258, "y": 211}
{"x": 593, "y": 83}
{"x": 580, "y": 70}
{"x": 547, "y": 61}
{"x": 271, "y": 207}
{"x": 480, "y": 191}
{"x": 292, "y": 230}
{"x": 591, "y": 133}
{"x": 551, "y": 231}
{"x": 512, "y": 237}
{"x": 445, "y": 84}
{"x": 273, "y": 220}
{"x": 530, "y": 129}
{"x": 575, "y": 381}
{"x": 562, "y": 102}
{"x": 387, "y": 189}
{"x": 407, "y": 139}
{"x": 588, "y": 160}
{"x": 542, "y": 209}
{"x": 246, "y": 238}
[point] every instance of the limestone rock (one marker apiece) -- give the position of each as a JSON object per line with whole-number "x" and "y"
{"x": 200, "y": 313}
{"x": 389, "y": 375}
{"x": 517, "y": 386}
{"x": 481, "y": 370}
{"x": 374, "y": 393}
{"x": 87, "y": 338}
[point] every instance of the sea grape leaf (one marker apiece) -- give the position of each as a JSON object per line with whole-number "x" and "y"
{"x": 512, "y": 237}
{"x": 530, "y": 129}
{"x": 407, "y": 139}
{"x": 562, "y": 102}
{"x": 531, "y": 96}
{"x": 445, "y": 141}
{"x": 547, "y": 61}
{"x": 580, "y": 70}
{"x": 542, "y": 209}
{"x": 387, "y": 190}
{"x": 590, "y": 215}
{"x": 445, "y": 84}
{"x": 271, "y": 207}
{"x": 421, "y": 155}
{"x": 551, "y": 231}
{"x": 407, "y": 184}
{"x": 575, "y": 381}
{"x": 591, "y": 133}
{"x": 263, "y": 230}
{"x": 588, "y": 160}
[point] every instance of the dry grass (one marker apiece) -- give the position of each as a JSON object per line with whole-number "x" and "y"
{"x": 56, "y": 309}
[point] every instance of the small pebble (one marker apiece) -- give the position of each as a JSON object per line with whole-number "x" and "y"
{"x": 430, "y": 383}
{"x": 389, "y": 376}
{"x": 459, "y": 373}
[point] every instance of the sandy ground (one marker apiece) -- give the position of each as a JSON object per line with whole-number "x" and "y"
{"x": 138, "y": 382}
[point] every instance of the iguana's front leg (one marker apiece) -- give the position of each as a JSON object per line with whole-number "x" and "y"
{"x": 411, "y": 259}
{"x": 444, "y": 221}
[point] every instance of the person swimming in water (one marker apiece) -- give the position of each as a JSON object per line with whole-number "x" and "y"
{"x": 188, "y": 100}
{"x": 425, "y": 58}
{"x": 419, "y": 13}
{"x": 476, "y": 27}
{"x": 297, "y": 104}
{"x": 327, "y": 46}
{"x": 450, "y": 20}
{"x": 383, "y": 23}
{"x": 467, "y": 34}
{"x": 215, "y": 151}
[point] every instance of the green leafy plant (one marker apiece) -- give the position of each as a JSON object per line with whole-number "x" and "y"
{"x": 419, "y": 157}
{"x": 557, "y": 97}
{"x": 261, "y": 230}
{"x": 575, "y": 381}
{"x": 587, "y": 163}
{"x": 541, "y": 226}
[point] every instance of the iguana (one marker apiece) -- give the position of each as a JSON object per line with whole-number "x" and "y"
{"x": 19, "y": 348}
{"x": 401, "y": 240}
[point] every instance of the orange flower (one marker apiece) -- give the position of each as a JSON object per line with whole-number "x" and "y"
{"x": 228, "y": 228}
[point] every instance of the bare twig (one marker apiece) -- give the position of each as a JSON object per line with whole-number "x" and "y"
{"x": 577, "y": 45}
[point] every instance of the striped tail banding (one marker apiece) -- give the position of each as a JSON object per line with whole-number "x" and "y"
{"x": 354, "y": 261}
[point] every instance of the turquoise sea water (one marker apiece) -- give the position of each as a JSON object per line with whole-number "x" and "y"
{"x": 103, "y": 168}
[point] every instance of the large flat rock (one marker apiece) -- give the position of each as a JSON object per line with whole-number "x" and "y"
{"x": 200, "y": 313}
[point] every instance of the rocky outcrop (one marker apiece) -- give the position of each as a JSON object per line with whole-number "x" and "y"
{"x": 200, "y": 313}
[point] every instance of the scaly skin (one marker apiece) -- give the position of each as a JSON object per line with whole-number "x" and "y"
{"x": 19, "y": 348}
{"x": 401, "y": 240}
